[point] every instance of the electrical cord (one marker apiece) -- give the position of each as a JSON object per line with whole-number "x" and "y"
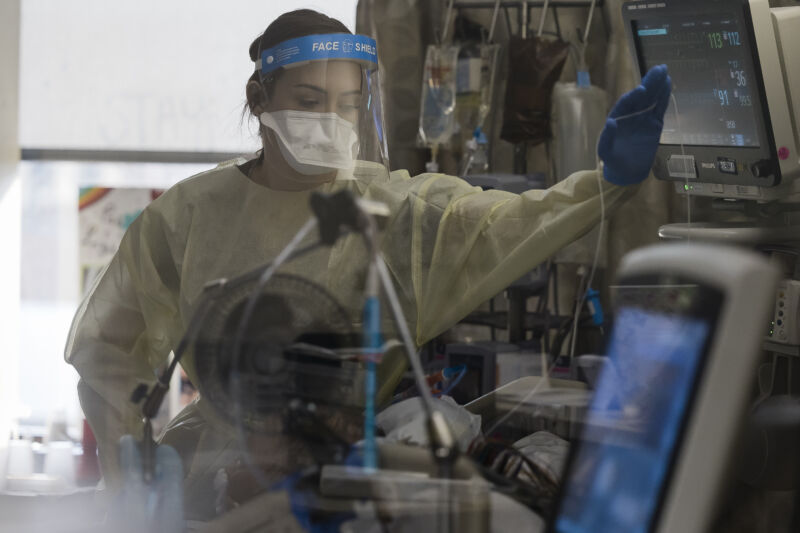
{"x": 495, "y": 458}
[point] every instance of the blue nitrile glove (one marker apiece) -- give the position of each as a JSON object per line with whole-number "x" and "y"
{"x": 630, "y": 139}
{"x": 303, "y": 504}
{"x": 155, "y": 506}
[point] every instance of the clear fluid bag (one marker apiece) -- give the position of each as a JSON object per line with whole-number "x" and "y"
{"x": 437, "y": 109}
{"x": 578, "y": 116}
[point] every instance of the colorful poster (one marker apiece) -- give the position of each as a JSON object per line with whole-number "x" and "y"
{"x": 104, "y": 215}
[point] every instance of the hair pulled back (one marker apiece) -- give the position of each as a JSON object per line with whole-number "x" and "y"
{"x": 291, "y": 25}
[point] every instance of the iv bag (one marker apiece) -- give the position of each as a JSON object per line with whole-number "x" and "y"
{"x": 578, "y": 117}
{"x": 437, "y": 109}
{"x": 475, "y": 84}
{"x": 474, "y": 88}
{"x": 534, "y": 67}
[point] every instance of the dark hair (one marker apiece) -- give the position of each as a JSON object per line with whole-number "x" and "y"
{"x": 290, "y": 25}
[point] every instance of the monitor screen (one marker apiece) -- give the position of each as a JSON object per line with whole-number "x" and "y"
{"x": 711, "y": 64}
{"x": 619, "y": 469}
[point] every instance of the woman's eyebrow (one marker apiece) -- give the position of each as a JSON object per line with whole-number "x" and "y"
{"x": 312, "y": 87}
{"x": 323, "y": 91}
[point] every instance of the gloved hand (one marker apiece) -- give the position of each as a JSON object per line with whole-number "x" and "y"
{"x": 155, "y": 507}
{"x": 630, "y": 139}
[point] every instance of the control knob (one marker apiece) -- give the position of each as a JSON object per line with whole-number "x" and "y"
{"x": 763, "y": 168}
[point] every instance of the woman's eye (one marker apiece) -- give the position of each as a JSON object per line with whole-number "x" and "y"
{"x": 348, "y": 105}
{"x": 308, "y": 102}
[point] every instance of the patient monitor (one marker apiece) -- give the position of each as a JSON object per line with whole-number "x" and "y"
{"x": 735, "y": 66}
{"x": 662, "y": 423}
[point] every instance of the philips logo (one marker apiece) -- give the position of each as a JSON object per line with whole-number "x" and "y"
{"x": 347, "y": 47}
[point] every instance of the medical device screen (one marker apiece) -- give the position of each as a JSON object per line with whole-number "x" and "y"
{"x": 711, "y": 65}
{"x": 620, "y": 468}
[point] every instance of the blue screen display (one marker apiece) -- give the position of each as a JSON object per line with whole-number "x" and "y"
{"x": 634, "y": 423}
{"x": 713, "y": 78}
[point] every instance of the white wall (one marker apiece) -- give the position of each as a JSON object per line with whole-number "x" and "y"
{"x": 144, "y": 75}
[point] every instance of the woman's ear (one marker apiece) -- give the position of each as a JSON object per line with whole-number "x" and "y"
{"x": 256, "y": 97}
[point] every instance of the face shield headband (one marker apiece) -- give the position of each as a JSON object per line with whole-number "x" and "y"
{"x": 358, "y": 48}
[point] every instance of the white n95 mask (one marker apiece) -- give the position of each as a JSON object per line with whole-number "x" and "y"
{"x": 313, "y": 143}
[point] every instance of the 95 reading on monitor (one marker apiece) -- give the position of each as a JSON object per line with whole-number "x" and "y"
{"x": 732, "y": 124}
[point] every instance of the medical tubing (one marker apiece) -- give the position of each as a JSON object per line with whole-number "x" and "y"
{"x": 467, "y": 165}
{"x": 585, "y": 291}
{"x": 602, "y": 219}
{"x": 542, "y": 19}
{"x": 531, "y": 394}
{"x": 543, "y": 300}
{"x": 509, "y": 31}
{"x": 545, "y": 379}
{"x": 599, "y": 237}
{"x": 588, "y": 25}
{"x": 563, "y": 331}
{"x": 636, "y": 113}
{"x": 683, "y": 153}
{"x": 599, "y": 244}
{"x": 548, "y": 373}
{"x": 582, "y": 293}
{"x": 495, "y": 13}
{"x": 596, "y": 259}
{"x": 405, "y": 335}
{"x": 581, "y": 63}
{"x": 448, "y": 15}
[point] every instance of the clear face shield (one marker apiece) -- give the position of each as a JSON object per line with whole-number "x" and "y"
{"x": 324, "y": 112}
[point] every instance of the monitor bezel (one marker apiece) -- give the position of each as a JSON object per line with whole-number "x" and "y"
{"x": 708, "y": 305}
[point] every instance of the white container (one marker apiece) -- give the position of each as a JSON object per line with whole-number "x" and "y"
{"x": 3, "y": 464}
{"x": 20, "y": 458}
{"x": 60, "y": 461}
